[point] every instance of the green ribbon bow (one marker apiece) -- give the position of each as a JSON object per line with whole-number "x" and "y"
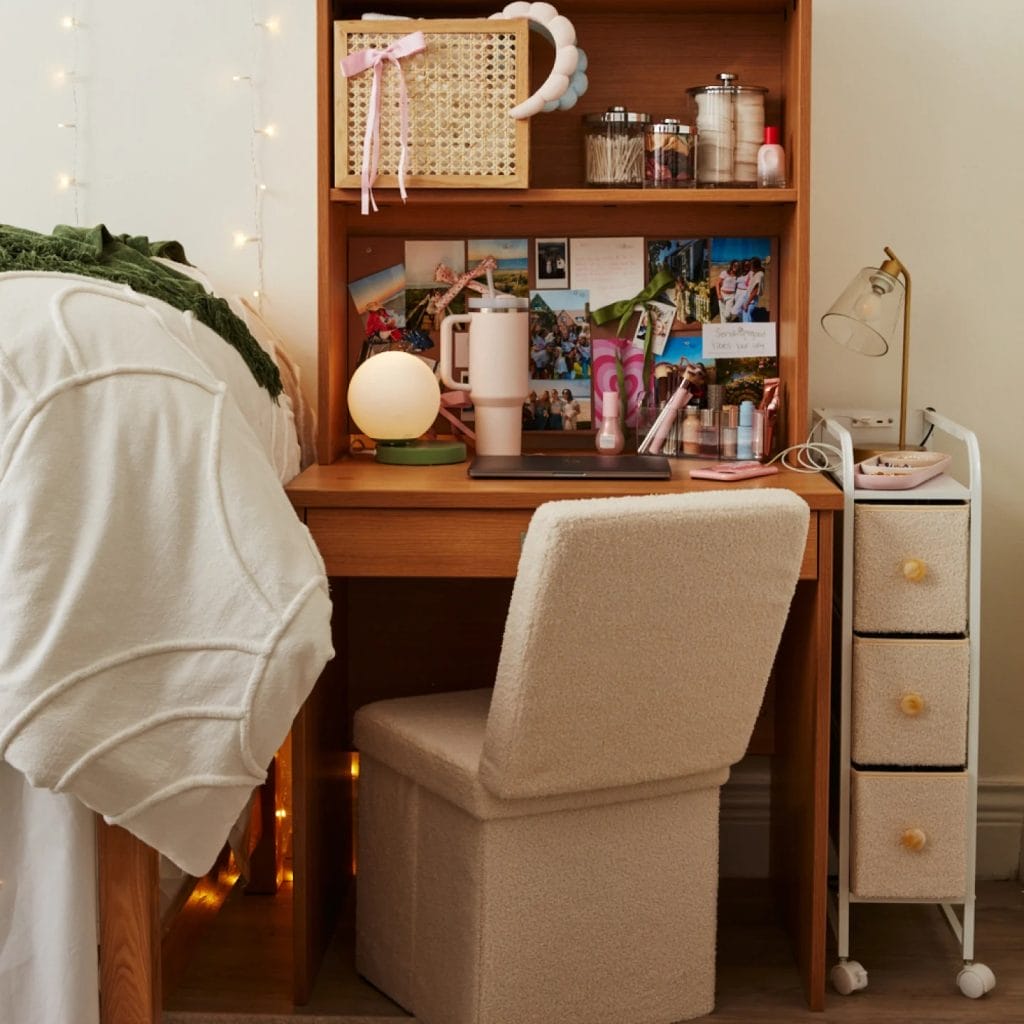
{"x": 624, "y": 308}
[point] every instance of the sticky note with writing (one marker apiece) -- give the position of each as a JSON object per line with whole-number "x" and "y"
{"x": 737, "y": 340}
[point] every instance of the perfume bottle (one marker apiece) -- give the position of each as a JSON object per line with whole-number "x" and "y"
{"x": 771, "y": 161}
{"x": 610, "y": 440}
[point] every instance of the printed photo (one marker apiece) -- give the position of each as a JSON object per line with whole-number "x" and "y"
{"x": 513, "y": 256}
{"x": 560, "y": 358}
{"x": 741, "y": 279}
{"x": 423, "y": 258}
{"x": 552, "y": 262}
{"x": 686, "y": 259}
{"x": 383, "y": 290}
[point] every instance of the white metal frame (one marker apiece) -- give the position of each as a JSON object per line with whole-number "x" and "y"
{"x": 848, "y": 975}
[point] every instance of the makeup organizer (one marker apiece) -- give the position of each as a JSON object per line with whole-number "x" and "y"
{"x": 905, "y": 772}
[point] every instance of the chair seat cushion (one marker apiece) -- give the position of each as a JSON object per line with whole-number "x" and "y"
{"x": 437, "y": 741}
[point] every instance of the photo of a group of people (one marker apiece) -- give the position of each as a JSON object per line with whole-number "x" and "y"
{"x": 559, "y": 360}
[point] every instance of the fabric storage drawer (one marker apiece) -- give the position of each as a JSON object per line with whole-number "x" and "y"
{"x": 910, "y": 569}
{"x": 909, "y": 702}
{"x": 908, "y": 835}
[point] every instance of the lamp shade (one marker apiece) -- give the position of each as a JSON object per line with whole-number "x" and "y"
{"x": 393, "y": 396}
{"x": 865, "y": 317}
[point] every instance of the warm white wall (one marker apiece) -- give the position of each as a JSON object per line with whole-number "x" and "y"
{"x": 164, "y": 135}
{"x": 917, "y": 145}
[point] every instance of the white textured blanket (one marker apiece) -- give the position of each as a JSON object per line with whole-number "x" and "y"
{"x": 163, "y": 612}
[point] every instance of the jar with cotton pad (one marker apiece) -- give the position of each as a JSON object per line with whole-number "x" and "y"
{"x": 730, "y": 131}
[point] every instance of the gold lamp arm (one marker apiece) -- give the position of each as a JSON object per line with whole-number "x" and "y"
{"x": 894, "y": 267}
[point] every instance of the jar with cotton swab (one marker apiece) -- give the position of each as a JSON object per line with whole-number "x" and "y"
{"x": 613, "y": 145}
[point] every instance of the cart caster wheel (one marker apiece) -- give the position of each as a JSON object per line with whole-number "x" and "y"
{"x": 975, "y": 980}
{"x": 848, "y": 976}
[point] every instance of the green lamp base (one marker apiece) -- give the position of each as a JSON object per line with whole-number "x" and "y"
{"x": 420, "y": 453}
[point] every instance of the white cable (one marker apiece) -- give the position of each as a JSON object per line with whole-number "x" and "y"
{"x": 811, "y": 456}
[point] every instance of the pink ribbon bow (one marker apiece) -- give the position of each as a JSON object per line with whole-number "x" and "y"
{"x": 364, "y": 60}
{"x": 446, "y": 275}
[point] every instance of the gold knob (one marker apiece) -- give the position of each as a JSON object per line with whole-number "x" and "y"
{"x": 913, "y": 569}
{"x": 912, "y": 704}
{"x": 913, "y": 839}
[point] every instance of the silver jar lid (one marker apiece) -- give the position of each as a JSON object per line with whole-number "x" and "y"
{"x": 727, "y": 83}
{"x": 617, "y": 115}
{"x": 669, "y": 126}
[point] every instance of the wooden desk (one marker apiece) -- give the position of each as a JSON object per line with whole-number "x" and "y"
{"x": 432, "y": 528}
{"x": 373, "y": 522}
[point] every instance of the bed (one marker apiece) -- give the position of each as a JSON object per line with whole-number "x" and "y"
{"x": 164, "y": 612}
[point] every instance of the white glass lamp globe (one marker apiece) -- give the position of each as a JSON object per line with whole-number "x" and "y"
{"x": 394, "y": 397}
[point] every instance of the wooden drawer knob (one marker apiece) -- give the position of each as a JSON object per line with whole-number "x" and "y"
{"x": 912, "y": 704}
{"x": 913, "y": 569}
{"x": 913, "y": 839}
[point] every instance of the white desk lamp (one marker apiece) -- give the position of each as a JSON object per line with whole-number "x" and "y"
{"x": 394, "y": 398}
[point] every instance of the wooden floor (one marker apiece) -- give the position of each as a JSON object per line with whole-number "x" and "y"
{"x": 909, "y": 952}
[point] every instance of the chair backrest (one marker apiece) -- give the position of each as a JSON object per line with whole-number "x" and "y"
{"x": 640, "y": 637}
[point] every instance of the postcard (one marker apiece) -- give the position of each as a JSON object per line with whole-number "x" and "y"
{"x": 610, "y": 269}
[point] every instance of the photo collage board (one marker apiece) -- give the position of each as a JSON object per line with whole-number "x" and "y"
{"x": 605, "y": 314}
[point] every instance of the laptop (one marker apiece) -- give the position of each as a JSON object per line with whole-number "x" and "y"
{"x": 570, "y": 467}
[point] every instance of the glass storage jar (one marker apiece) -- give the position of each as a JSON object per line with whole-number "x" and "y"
{"x": 668, "y": 154}
{"x": 614, "y": 148}
{"x": 730, "y": 130}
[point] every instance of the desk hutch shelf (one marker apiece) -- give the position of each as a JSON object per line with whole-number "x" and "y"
{"x": 643, "y": 55}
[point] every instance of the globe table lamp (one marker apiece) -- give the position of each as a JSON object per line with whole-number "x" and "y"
{"x": 394, "y": 398}
{"x": 864, "y": 318}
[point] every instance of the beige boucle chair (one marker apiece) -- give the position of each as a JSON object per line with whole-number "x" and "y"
{"x": 547, "y": 852}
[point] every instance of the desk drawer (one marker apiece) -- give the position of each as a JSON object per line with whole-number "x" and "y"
{"x": 419, "y": 542}
{"x": 910, "y": 701}
{"x": 441, "y": 542}
{"x": 908, "y": 835}
{"x": 910, "y": 569}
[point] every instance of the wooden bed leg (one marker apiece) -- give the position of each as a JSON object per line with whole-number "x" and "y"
{"x": 129, "y": 907}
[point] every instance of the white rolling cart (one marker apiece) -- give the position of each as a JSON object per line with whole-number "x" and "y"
{"x": 907, "y": 757}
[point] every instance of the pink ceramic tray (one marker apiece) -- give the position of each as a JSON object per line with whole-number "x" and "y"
{"x": 899, "y": 471}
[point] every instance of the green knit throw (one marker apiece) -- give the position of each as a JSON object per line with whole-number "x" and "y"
{"x": 124, "y": 259}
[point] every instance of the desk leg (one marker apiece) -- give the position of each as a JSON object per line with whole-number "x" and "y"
{"x": 799, "y": 829}
{"x": 129, "y": 906}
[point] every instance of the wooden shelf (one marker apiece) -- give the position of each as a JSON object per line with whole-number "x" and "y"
{"x": 577, "y": 197}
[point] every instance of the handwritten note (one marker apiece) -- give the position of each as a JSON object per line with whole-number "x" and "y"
{"x": 610, "y": 268}
{"x": 737, "y": 340}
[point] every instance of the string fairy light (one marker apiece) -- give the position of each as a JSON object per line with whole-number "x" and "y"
{"x": 259, "y": 132}
{"x": 69, "y": 181}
